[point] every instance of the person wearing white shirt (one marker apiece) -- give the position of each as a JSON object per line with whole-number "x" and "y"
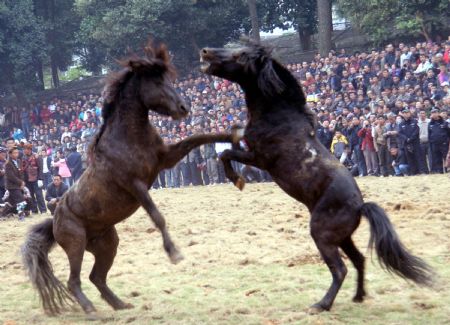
{"x": 424, "y": 64}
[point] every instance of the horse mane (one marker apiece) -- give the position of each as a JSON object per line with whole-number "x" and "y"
{"x": 156, "y": 61}
{"x": 274, "y": 80}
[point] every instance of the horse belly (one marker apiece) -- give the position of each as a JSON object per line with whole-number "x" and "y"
{"x": 98, "y": 206}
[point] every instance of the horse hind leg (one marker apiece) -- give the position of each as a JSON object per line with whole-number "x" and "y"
{"x": 330, "y": 255}
{"x": 104, "y": 249}
{"x": 72, "y": 238}
{"x": 357, "y": 259}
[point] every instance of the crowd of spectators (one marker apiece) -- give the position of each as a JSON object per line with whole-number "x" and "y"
{"x": 381, "y": 112}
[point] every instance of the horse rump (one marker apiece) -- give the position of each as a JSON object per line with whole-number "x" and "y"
{"x": 392, "y": 255}
{"x": 53, "y": 294}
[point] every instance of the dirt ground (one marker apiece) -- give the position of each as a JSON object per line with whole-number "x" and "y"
{"x": 249, "y": 259}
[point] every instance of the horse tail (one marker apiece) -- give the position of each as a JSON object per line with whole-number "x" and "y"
{"x": 53, "y": 294}
{"x": 392, "y": 255}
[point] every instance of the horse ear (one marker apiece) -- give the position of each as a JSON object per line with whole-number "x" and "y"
{"x": 162, "y": 53}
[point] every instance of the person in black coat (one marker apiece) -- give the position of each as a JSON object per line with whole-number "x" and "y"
{"x": 75, "y": 163}
{"x": 409, "y": 134}
{"x": 355, "y": 146}
{"x": 438, "y": 137}
{"x": 14, "y": 181}
{"x": 54, "y": 193}
{"x": 399, "y": 162}
{"x": 324, "y": 135}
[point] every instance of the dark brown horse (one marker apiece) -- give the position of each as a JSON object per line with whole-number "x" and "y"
{"x": 280, "y": 135}
{"x": 127, "y": 155}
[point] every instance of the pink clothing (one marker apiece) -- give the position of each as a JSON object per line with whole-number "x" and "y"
{"x": 63, "y": 169}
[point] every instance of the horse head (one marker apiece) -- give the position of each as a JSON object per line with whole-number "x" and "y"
{"x": 250, "y": 63}
{"x": 149, "y": 80}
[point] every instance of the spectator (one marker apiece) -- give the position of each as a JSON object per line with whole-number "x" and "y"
{"x": 63, "y": 169}
{"x": 46, "y": 162}
{"x": 54, "y": 193}
{"x": 2, "y": 171}
{"x": 338, "y": 144}
{"x": 439, "y": 135}
{"x": 381, "y": 148}
{"x": 33, "y": 176}
{"x": 14, "y": 182}
{"x": 324, "y": 134}
{"x": 409, "y": 133}
{"x": 75, "y": 163}
{"x": 399, "y": 161}
{"x": 368, "y": 148}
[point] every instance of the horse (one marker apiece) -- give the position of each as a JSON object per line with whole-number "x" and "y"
{"x": 281, "y": 139}
{"x": 126, "y": 156}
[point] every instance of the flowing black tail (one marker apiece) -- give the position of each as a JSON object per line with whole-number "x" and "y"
{"x": 53, "y": 293}
{"x": 392, "y": 255}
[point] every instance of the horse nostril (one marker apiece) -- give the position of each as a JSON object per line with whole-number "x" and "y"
{"x": 204, "y": 51}
{"x": 183, "y": 108}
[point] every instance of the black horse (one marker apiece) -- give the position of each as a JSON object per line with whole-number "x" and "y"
{"x": 280, "y": 135}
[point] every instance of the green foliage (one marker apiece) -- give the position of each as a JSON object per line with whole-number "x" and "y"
{"x": 387, "y": 19}
{"x": 118, "y": 25}
{"x": 22, "y": 43}
{"x": 74, "y": 73}
{"x": 284, "y": 14}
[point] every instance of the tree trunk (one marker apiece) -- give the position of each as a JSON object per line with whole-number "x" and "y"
{"x": 51, "y": 36}
{"x": 55, "y": 76}
{"x": 325, "y": 26}
{"x": 254, "y": 20}
{"x": 305, "y": 40}
{"x": 40, "y": 74}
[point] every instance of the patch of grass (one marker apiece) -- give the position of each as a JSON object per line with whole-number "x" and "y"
{"x": 249, "y": 260}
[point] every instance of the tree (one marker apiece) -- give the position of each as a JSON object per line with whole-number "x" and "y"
{"x": 254, "y": 19}
{"x": 284, "y": 14}
{"x": 116, "y": 25}
{"x": 325, "y": 26}
{"x": 386, "y": 19}
{"x": 22, "y": 44}
{"x": 60, "y": 23}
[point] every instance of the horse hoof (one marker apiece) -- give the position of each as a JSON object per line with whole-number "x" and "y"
{"x": 240, "y": 183}
{"x": 92, "y": 316}
{"x": 237, "y": 134}
{"x": 176, "y": 257}
{"x": 316, "y": 309}
{"x": 124, "y": 306}
{"x": 358, "y": 299}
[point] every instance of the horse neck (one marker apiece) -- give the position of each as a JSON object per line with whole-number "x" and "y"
{"x": 256, "y": 102}
{"x": 131, "y": 118}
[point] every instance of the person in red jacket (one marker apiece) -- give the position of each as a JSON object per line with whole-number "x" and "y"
{"x": 45, "y": 114}
{"x": 368, "y": 148}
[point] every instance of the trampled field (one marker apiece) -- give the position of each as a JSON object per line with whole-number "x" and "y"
{"x": 249, "y": 259}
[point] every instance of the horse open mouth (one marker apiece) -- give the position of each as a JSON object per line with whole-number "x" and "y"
{"x": 204, "y": 65}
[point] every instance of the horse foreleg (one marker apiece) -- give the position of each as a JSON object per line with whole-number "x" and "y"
{"x": 178, "y": 150}
{"x": 141, "y": 194}
{"x": 243, "y": 157}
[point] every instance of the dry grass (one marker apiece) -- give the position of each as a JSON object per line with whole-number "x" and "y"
{"x": 249, "y": 260}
